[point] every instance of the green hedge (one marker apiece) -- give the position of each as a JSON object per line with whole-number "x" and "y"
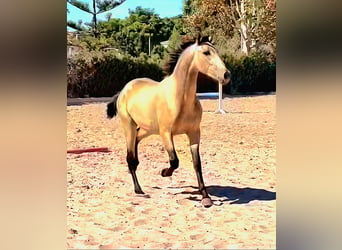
{"x": 250, "y": 74}
{"x": 104, "y": 74}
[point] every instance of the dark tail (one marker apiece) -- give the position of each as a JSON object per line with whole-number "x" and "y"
{"x": 112, "y": 108}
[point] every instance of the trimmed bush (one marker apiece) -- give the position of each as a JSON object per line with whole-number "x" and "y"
{"x": 102, "y": 74}
{"x": 250, "y": 74}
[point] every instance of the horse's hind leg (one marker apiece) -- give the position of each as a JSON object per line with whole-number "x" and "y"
{"x": 174, "y": 162}
{"x": 132, "y": 154}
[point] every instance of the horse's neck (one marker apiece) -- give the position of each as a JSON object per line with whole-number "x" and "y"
{"x": 185, "y": 75}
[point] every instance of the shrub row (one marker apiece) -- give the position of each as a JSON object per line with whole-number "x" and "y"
{"x": 104, "y": 74}
{"x": 250, "y": 74}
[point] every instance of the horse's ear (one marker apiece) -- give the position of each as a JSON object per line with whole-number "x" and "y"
{"x": 211, "y": 40}
{"x": 205, "y": 39}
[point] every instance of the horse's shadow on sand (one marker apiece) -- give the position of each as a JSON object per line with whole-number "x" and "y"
{"x": 233, "y": 195}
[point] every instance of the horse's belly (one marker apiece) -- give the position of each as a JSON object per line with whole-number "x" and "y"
{"x": 144, "y": 117}
{"x": 148, "y": 125}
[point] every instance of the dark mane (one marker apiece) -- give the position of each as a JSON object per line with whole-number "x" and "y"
{"x": 174, "y": 55}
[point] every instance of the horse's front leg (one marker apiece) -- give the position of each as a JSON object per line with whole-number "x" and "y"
{"x": 170, "y": 148}
{"x": 194, "y": 138}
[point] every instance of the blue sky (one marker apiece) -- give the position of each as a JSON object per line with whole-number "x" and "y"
{"x": 165, "y": 8}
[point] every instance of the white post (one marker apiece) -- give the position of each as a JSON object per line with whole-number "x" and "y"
{"x": 220, "y": 109}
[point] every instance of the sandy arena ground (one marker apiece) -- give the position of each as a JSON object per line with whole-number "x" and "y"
{"x": 239, "y": 170}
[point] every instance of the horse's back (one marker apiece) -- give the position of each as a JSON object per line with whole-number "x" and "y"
{"x": 138, "y": 88}
{"x": 136, "y": 84}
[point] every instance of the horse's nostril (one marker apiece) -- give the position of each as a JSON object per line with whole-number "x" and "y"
{"x": 226, "y": 75}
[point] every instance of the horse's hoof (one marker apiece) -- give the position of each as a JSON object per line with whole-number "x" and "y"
{"x": 143, "y": 195}
{"x": 139, "y": 192}
{"x": 165, "y": 172}
{"x": 206, "y": 202}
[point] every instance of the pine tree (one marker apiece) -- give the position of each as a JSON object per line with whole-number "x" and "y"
{"x": 98, "y": 7}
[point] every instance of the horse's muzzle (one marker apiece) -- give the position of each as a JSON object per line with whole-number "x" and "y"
{"x": 227, "y": 75}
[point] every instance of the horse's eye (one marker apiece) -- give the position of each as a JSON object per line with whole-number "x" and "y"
{"x": 207, "y": 53}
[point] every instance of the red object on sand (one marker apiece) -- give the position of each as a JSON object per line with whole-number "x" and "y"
{"x": 87, "y": 150}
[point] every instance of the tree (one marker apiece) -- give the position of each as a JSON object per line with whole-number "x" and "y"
{"x": 245, "y": 14}
{"x": 98, "y": 7}
{"x": 210, "y": 17}
{"x": 253, "y": 20}
{"x": 140, "y": 32}
{"x": 266, "y": 30}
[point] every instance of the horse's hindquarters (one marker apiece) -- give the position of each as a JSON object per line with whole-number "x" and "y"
{"x": 138, "y": 102}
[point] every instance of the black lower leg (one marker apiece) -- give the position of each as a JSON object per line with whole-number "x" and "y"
{"x": 206, "y": 201}
{"x": 174, "y": 163}
{"x": 201, "y": 186}
{"x": 132, "y": 166}
{"x": 198, "y": 169}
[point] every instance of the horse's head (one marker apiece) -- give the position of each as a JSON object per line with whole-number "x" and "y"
{"x": 208, "y": 62}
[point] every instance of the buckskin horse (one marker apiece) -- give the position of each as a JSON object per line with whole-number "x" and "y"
{"x": 169, "y": 107}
